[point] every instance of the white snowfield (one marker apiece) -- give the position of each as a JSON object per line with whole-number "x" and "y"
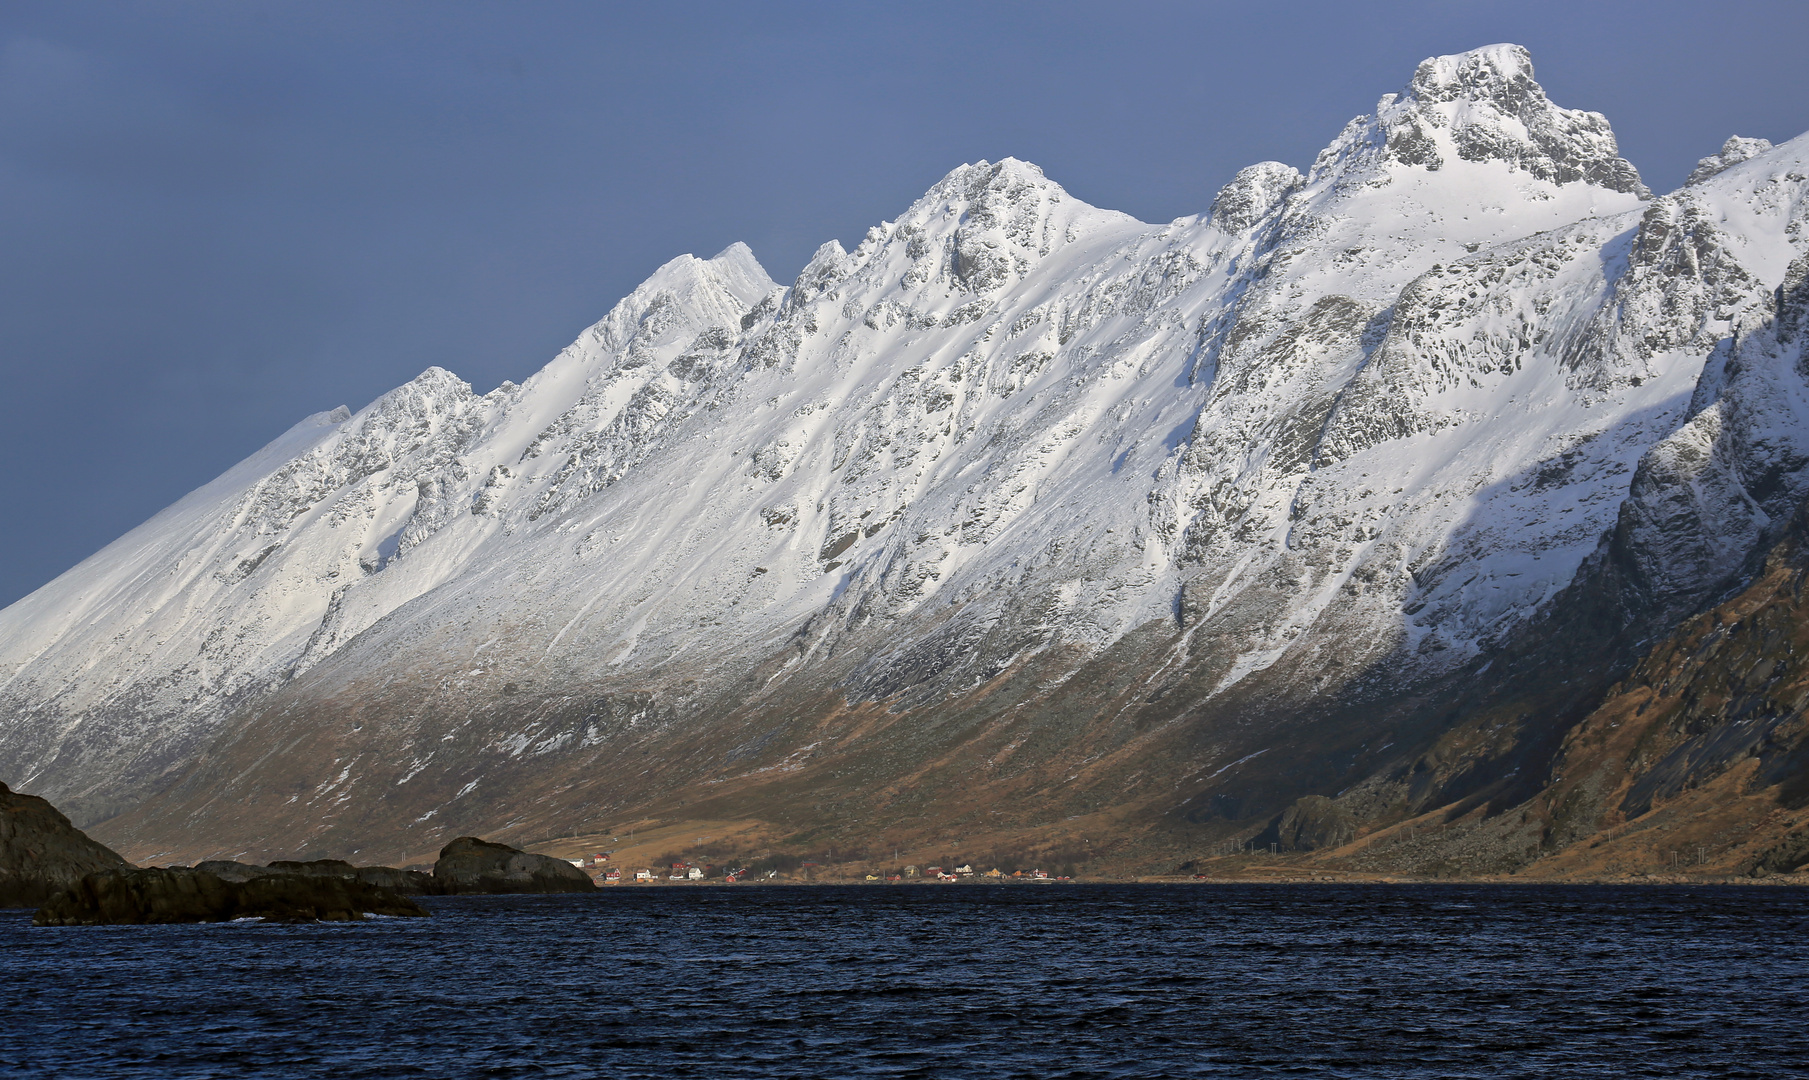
{"x": 1380, "y": 412}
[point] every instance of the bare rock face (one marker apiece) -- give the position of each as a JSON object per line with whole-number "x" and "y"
{"x": 470, "y": 865}
{"x": 41, "y": 853}
{"x": 186, "y": 895}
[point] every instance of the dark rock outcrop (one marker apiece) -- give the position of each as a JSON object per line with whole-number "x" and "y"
{"x": 470, "y": 865}
{"x": 1314, "y": 823}
{"x": 185, "y": 895}
{"x": 41, "y": 853}
{"x": 405, "y": 882}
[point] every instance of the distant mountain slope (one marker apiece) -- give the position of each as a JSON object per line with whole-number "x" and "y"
{"x": 1020, "y": 500}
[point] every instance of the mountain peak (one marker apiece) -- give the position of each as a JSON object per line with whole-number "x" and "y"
{"x": 733, "y": 270}
{"x": 1735, "y": 150}
{"x": 1252, "y": 193}
{"x": 1484, "y": 105}
{"x": 741, "y": 273}
{"x": 972, "y": 180}
{"x": 987, "y": 223}
{"x": 1496, "y": 72}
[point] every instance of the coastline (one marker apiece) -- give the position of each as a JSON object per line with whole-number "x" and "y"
{"x": 1769, "y": 881}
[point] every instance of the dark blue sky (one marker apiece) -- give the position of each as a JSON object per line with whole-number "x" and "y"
{"x": 216, "y": 218}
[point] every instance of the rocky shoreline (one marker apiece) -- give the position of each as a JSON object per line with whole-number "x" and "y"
{"x": 1281, "y": 877}
{"x": 185, "y": 895}
{"x": 49, "y": 864}
{"x": 466, "y": 866}
{"x": 288, "y": 891}
{"x": 46, "y": 862}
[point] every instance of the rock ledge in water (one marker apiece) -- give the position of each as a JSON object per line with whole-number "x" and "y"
{"x": 406, "y": 882}
{"x": 184, "y": 895}
{"x": 470, "y": 865}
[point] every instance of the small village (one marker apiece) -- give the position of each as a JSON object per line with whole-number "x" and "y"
{"x": 603, "y": 871}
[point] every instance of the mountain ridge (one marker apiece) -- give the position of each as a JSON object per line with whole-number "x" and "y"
{"x": 1362, "y": 424}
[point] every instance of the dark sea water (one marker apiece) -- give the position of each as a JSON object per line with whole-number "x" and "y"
{"x": 969, "y": 981}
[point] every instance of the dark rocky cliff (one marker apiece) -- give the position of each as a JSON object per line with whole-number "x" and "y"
{"x": 41, "y": 853}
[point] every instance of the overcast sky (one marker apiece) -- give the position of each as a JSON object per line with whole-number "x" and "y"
{"x": 216, "y": 218}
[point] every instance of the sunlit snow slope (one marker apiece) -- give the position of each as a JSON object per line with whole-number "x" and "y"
{"x": 1367, "y": 418}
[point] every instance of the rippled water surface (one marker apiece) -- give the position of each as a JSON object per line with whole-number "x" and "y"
{"x": 1045, "y": 981}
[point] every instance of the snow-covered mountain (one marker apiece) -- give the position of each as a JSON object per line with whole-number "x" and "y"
{"x": 1362, "y": 423}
